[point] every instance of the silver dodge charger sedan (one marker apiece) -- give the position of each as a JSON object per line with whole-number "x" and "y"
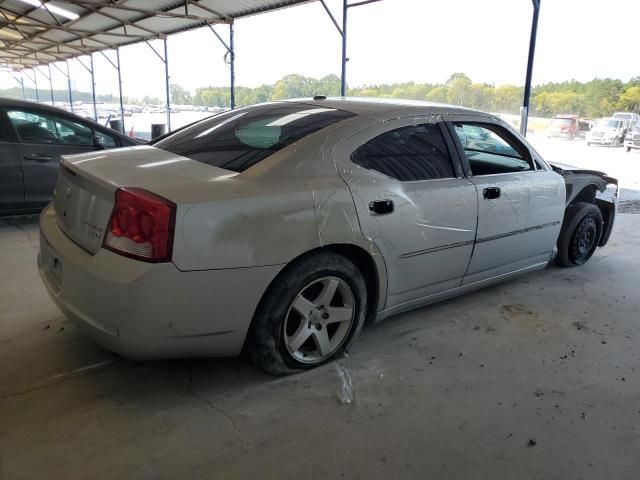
{"x": 284, "y": 227}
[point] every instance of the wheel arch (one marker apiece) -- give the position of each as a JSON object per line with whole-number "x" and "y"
{"x": 369, "y": 262}
{"x": 587, "y": 193}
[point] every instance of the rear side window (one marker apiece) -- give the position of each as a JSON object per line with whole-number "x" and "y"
{"x": 417, "y": 152}
{"x": 238, "y": 139}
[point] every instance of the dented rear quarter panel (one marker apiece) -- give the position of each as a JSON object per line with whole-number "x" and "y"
{"x": 289, "y": 204}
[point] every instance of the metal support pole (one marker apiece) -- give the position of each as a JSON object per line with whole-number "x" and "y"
{"x": 232, "y": 67}
{"x": 343, "y": 33}
{"x": 69, "y": 86}
{"x": 120, "y": 89}
{"x": 343, "y": 74}
{"x": 20, "y": 81}
{"x": 93, "y": 89}
{"x": 231, "y": 53}
{"x": 51, "y": 85}
{"x": 524, "y": 111}
{"x": 166, "y": 80}
{"x": 24, "y": 97}
{"x": 35, "y": 83}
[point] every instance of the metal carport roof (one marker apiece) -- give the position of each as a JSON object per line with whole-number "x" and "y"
{"x": 39, "y": 32}
{"x": 34, "y": 33}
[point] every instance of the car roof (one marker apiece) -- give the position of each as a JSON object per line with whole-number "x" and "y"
{"x": 361, "y": 106}
{"x": 14, "y": 103}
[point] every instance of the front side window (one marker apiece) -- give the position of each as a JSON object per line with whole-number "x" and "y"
{"x": 491, "y": 150}
{"x": 33, "y": 127}
{"x": 417, "y": 152}
{"x": 238, "y": 139}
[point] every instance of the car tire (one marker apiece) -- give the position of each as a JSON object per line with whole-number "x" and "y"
{"x": 282, "y": 340}
{"x": 588, "y": 144}
{"x": 580, "y": 234}
{"x": 628, "y": 149}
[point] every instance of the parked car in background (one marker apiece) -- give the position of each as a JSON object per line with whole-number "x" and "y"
{"x": 630, "y": 119}
{"x": 632, "y": 139}
{"x": 564, "y": 126}
{"x": 33, "y": 137}
{"x": 607, "y": 131}
{"x": 283, "y": 226}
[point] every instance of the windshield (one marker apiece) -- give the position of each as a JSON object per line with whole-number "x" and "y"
{"x": 625, "y": 116}
{"x": 238, "y": 139}
{"x": 608, "y": 123}
{"x": 561, "y": 121}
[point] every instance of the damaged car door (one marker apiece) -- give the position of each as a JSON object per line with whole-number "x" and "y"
{"x": 413, "y": 202}
{"x": 521, "y": 201}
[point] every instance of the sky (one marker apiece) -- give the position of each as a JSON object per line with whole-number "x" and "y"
{"x": 389, "y": 41}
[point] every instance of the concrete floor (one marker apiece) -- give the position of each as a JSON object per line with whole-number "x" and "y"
{"x": 455, "y": 390}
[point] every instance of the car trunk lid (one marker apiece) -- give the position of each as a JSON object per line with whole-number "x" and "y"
{"x": 85, "y": 189}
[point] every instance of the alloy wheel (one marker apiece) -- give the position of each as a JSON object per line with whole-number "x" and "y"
{"x": 319, "y": 320}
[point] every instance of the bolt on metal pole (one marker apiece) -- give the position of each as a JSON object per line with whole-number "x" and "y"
{"x": 343, "y": 75}
{"x": 69, "y": 86}
{"x": 120, "y": 89}
{"x": 93, "y": 89}
{"x": 51, "y": 84}
{"x": 232, "y": 67}
{"x": 166, "y": 80}
{"x": 524, "y": 111}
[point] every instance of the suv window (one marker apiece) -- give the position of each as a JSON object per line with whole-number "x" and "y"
{"x": 238, "y": 139}
{"x": 416, "y": 152}
{"x": 44, "y": 127}
{"x": 491, "y": 150}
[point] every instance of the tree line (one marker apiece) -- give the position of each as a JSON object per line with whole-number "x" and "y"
{"x": 596, "y": 98}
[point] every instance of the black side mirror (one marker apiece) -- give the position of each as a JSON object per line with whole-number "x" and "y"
{"x": 98, "y": 142}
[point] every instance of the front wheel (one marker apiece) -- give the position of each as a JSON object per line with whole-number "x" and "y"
{"x": 580, "y": 234}
{"x": 309, "y": 316}
{"x": 615, "y": 142}
{"x": 628, "y": 149}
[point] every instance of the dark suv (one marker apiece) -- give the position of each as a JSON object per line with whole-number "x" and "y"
{"x": 33, "y": 137}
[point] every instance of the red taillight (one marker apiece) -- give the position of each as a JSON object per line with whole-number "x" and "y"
{"x": 141, "y": 226}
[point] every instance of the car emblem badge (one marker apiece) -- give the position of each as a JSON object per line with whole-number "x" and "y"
{"x": 68, "y": 191}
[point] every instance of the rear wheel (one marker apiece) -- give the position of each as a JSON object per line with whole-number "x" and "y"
{"x": 309, "y": 316}
{"x": 580, "y": 234}
{"x": 628, "y": 149}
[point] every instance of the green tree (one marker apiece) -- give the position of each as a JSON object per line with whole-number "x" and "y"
{"x": 630, "y": 100}
{"x": 178, "y": 95}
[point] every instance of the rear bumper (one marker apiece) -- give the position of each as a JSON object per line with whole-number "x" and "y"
{"x": 143, "y": 311}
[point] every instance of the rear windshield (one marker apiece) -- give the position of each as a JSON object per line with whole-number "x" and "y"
{"x": 238, "y": 139}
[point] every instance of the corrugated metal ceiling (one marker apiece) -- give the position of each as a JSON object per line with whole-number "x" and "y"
{"x": 39, "y": 32}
